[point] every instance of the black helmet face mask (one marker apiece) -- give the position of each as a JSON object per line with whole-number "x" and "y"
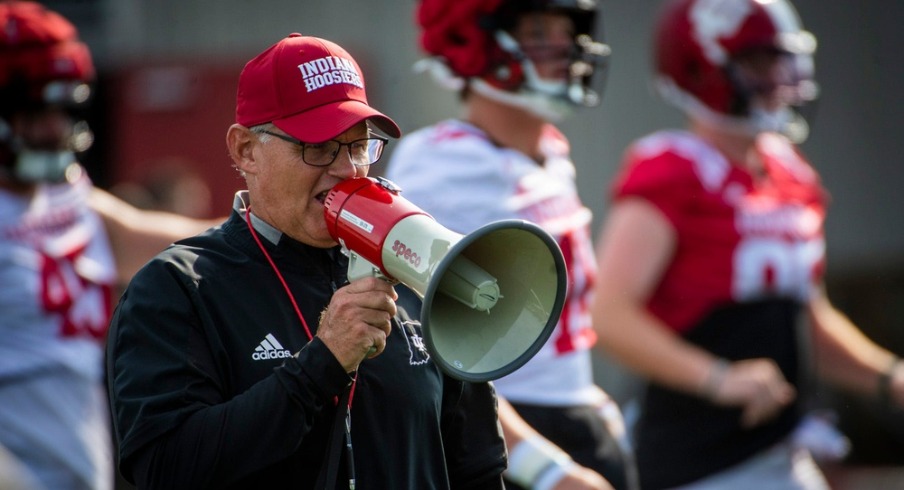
{"x": 32, "y": 167}
{"x": 479, "y": 45}
{"x": 771, "y": 87}
{"x": 41, "y": 144}
{"x": 551, "y": 93}
{"x": 575, "y": 63}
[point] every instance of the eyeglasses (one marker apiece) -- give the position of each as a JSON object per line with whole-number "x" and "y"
{"x": 362, "y": 152}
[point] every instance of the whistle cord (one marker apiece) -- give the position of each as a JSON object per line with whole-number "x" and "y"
{"x": 278, "y": 274}
{"x": 327, "y": 478}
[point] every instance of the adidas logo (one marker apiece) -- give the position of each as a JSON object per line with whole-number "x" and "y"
{"x": 270, "y": 348}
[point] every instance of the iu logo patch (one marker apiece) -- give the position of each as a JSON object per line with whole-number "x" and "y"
{"x": 417, "y": 351}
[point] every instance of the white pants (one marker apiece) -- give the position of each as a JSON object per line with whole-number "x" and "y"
{"x": 56, "y": 423}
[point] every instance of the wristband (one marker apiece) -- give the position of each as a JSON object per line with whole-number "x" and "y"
{"x": 714, "y": 378}
{"x": 535, "y": 458}
{"x": 548, "y": 479}
{"x": 885, "y": 382}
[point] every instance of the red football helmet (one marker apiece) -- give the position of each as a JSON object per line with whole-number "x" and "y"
{"x": 699, "y": 44}
{"x": 471, "y": 43}
{"x": 42, "y": 64}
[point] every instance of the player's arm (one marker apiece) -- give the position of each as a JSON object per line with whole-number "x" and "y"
{"x": 634, "y": 249}
{"x": 636, "y": 245}
{"x": 136, "y": 234}
{"x": 534, "y": 462}
{"x": 845, "y": 356}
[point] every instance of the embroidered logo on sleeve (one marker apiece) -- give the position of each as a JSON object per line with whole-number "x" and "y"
{"x": 417, "y": 350}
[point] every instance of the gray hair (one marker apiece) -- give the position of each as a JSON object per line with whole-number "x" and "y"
{"x": 261, "y": 129}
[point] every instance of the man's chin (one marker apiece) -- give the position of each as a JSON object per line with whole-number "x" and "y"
{"x": 322, "y": 238}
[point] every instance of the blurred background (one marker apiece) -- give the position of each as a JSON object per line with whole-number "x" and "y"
{"x": 166, "y": 94}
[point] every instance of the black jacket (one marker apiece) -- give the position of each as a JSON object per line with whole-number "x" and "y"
{"x": 205, "y": 392}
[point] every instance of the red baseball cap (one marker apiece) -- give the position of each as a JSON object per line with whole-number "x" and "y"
{"x": 309, "y": 87}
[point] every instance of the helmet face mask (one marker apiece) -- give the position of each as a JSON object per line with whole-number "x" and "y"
{"x": 742, "y": 65}
{"x": 35, "y": 166}
{"x": 778, "y": 78}
{"x": 45, "y": 76}
{"x": 39, "y": 145}
{"x": 518, "y": 52}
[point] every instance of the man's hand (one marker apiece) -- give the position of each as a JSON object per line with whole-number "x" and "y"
{"x": 758, "y": 387}
{"x": 357, "y": 321}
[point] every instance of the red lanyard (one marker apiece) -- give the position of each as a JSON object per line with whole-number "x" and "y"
{"x": 291, "y": 296}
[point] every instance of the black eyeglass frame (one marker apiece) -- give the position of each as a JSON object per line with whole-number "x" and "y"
{"x": 303, "y": 145}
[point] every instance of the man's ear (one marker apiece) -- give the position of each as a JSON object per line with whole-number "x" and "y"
{"x": 240, "y": 142}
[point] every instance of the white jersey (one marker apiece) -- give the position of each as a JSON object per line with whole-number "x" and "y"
{"x": 56, "y": 274}
{"x": 454, "y": 172}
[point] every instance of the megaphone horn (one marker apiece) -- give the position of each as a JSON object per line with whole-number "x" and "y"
{"x": 490, "y": 299}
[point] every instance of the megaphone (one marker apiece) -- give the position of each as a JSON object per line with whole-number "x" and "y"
{"x": 490, "y": 299}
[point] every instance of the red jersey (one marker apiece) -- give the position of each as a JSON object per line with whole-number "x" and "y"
{"x": 749, "y": 251}
{"x": 740, "y": 237}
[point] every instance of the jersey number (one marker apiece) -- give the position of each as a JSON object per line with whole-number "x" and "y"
{"x": 573, "y": 330}
{"x": 84, "y": 306}
{"x": 770, "y": 266}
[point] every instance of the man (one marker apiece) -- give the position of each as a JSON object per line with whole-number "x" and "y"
{"x": 520, "y": 66}
{"x": 240, "y": 358}
{"x": 713, "y": 259}
{"x": 57, "y": 267}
